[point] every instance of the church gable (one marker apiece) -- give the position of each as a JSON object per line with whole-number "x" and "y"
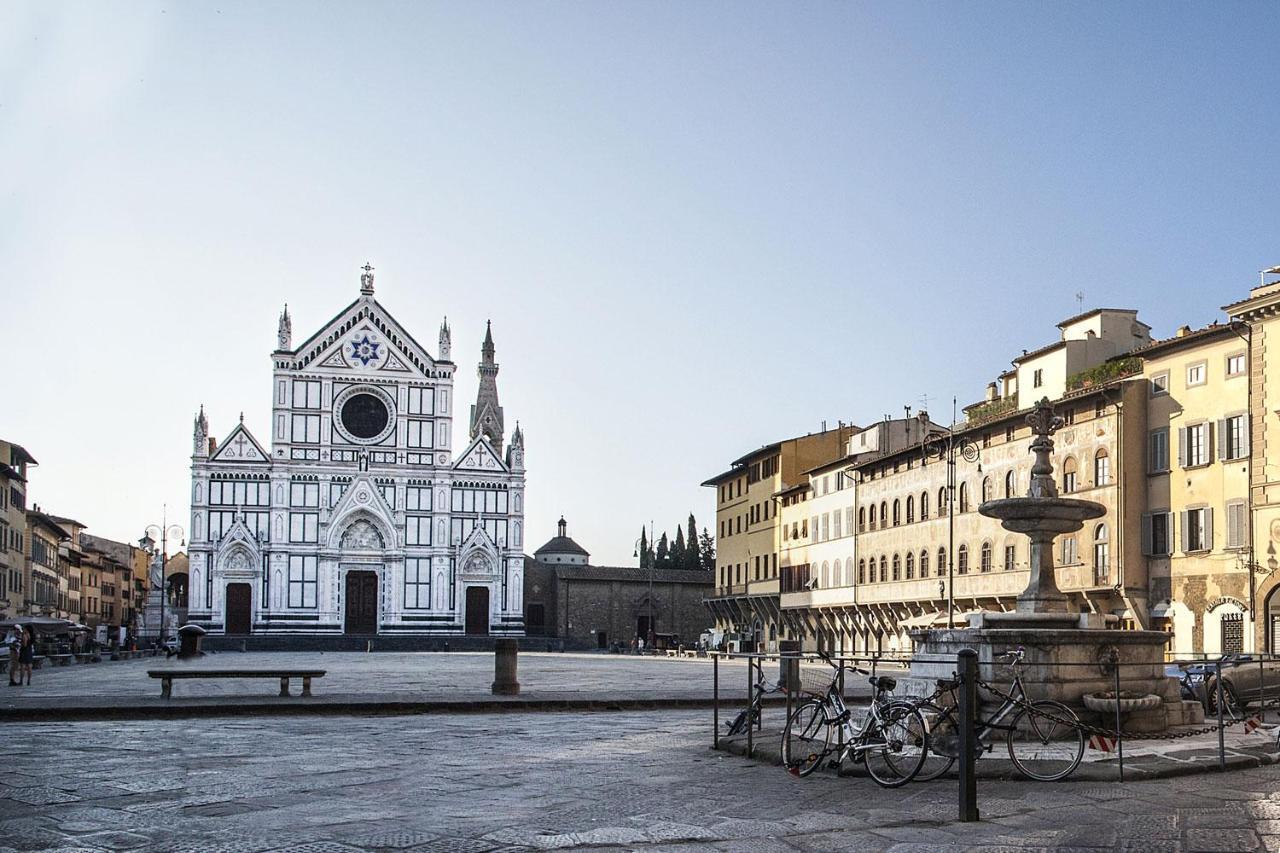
{"x": 240, "y": 446}
{"x": 365, "y": 337}
{"x": 479, "y": 456}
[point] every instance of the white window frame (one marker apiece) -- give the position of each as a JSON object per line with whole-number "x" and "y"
{"x": 1160, "y": 383}
{"x": 303, "y": 581}
{"x": 417, "y": 530}
{"x": 304, "y": 527}
{"x": 1197, "y": 530}
{"x": 1197, "y": 373}
{"x": 306, "y": 393}
{"x": 1227, "y": 364}
{"x": 306, "y": 429}
{"x": 1151, "y": 547}
{"x": 417, "y": 583}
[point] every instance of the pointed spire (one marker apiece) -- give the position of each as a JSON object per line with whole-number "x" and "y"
{"x": 563, "y": 527}
{"x": 242, "y": 417}
{"x": 487, "y": 349}
{"x": 486, "y": 414}
{"x": 284, "y": 332}
{"x": 446, "y": 341}
{"x": 366, "y": 280}
{"x": 200, "y": 434}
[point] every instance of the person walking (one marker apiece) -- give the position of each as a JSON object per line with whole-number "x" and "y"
{"x": 27, "y": 655}
{"x": 13, "y": 642}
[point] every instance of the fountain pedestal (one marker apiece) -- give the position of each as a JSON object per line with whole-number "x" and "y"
{"x": 1067, "y": 654}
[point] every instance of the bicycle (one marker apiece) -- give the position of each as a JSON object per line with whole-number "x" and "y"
{"x": 891, "y": 742}
{"x": 738, "y": 725}
{"x": 1044, "y": 738}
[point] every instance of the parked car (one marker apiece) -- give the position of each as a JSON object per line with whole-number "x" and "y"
{"x": 1245, "y": 682}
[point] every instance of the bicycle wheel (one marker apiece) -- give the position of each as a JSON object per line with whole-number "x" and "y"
{"x": 944, "y": 742}
{"x": 805, "y": 738}
{"x": 897, "y": 744}
{"x": 1043, "y": 748}
{"x": 739, "y": 724}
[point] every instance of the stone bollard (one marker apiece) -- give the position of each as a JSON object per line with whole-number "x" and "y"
{"x": 504, "y": 668}
{"x": 189, "y": 638}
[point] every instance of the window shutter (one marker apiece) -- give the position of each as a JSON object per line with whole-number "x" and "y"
{"x": 1208, "y": 528}
{"x": 1182, "y": 447}
{"x": 1208, "y": 442}
{"x": 1184, "y": 516}
{"x": 1244, "y": 435}
{"x": 1222, "y": 439}
{"x": 1147, "y": 547}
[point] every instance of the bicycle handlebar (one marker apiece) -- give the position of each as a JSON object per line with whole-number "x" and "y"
{"x": 1014, "y": 655}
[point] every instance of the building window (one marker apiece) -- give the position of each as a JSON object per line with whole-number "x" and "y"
{"x": 417, "y": 583}
{"x": 884, "y": 513}
{"x": 964, "y": 497}
{"x": 897, "y": 567}
{"x": 1101, "y": 555}
{"x": 826, "y": 526}
{"x": 872, "y": 516}
{"x": 835, "y": 524}
{"x": 897, "y": 513}
{"x": 911, "y": 565}
{"x": 1196, "y": 373}
{"x": 422, "y": 402}
{"x": 884, "y": 570}
{"x": 1070, "y": 554}
{"x": 420, "y": 434}
{"x": 1237, "y": 524}
{"x": 942, "y": 500}
{"x": 303, "y": 526}
{"x": 1010, "y": 484}
{"x": 306, "y": 429}
{"x": 1233, "y": 438}
{"x": 1037, "y": 378}
{"x": 911, "y": 509}
{"x": 1160, "y": 384}
{"x": 1158, "y": 450}
{"x": 924, "y": 505}
{"x": 924, "y": 564}
{"x": 862, "y": 519}
{"x": 1155, "y": 534}
{"x": 1010, "y": 557}
{"x": 986, "y": 489}
{"x": 942, "y": 561}
{"x": 304, "y": 494}
{"x": 1068, "y": 415}
{"x": 1197, "y": 530}
{"x": 1235, "y": 364}
{"x": 962, "y": 560}
{"x": 1099, "y": 408}
{"x": 862, "y": 571}
{"x": 306, "y": 394}
{"x": 984, "y": 557}
{"x": 302, "y": 581}
{"x": 1194, "y": 445}
{"x": 1101, "y": 468}
{"x": 417, "y": 530}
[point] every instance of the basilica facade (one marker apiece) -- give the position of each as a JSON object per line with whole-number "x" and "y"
{"x": 356, "y": 516}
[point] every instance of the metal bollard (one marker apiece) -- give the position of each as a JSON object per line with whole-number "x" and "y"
{"x": 751, "y": 730}
{"x": 1222, "y": 746}
{"x": 967, "y": 667}
{"x": 1262, "y": 692}
{"x": 715, "y": 700}
{"x": 1115, "y": 659}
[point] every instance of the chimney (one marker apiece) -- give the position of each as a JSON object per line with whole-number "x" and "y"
{"x": 992, "y": 394}
{"x": 1183, "y": 331}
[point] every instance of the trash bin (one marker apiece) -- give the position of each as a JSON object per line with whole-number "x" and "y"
{"x": 789, "y": 665}
{"x": 189, "y": 639}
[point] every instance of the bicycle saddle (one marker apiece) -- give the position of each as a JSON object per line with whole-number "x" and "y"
{"x": 884, "y": 682}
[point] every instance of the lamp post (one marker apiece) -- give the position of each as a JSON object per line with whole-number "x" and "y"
{"x": 944, "y": 445}
{"x": 643, "y": 557}
{"x": 163, "y": 530}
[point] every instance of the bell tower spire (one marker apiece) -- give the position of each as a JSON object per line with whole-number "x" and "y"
{"x": 284, "y": 333}
{"x": 446, "y": 341}
{"x": 486, "y": 414}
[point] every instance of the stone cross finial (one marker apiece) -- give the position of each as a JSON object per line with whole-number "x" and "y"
{"x": 366, "y": 280}
{"x": 1044, "y": 423}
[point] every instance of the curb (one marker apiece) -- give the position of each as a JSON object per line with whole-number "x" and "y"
{"x": 157, "y": 709}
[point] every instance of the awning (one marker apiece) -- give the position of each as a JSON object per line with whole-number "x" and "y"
{"x": 1161, "y": 610}
{"x": 924, "y": 620}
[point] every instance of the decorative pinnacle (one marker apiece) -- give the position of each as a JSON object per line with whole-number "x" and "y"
{"x": 1044, "y": 423}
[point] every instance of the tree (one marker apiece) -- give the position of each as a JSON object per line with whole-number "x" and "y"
{"x": 664, "y": 552}
{"x": 679, "y": 554}
{"x": 707, "y": 549}
{"x": 693, "y": 560}
{"x": 644, "y": 549}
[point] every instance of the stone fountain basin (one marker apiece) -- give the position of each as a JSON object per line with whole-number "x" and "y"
{"x": 1107, "y": 701}
{"x": 1053, "y": 515}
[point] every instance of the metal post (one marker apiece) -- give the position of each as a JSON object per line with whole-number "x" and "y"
{"x": 751, "y": 730}
{"x": 1222, "y": 747}
{"x": 760, "y": 704}
{"x": 840, "y": 729}
{"x": 715, "y": 700}
{"x": 1262, "y": 691}
{"x": 1119, "y": 735}
{"x": 967, "y": 666}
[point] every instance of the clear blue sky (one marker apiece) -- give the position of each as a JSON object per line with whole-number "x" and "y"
{"x": 697, "y": 227}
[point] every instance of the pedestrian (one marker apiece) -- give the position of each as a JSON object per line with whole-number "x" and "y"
{"x": 13, "y": 642}
{"x": 26, "y": 656}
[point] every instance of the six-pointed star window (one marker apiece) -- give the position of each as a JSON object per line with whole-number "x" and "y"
{"x": 365, "y": 350}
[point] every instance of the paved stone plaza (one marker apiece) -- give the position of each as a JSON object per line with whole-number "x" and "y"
{"x": 425, "y": 674}
{"x": 633, "y": 780}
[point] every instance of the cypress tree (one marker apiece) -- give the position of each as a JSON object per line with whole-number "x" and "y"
{"x": 644, "y": 549}
{"x": 707, "y": 551}
{"x": 679, "y": 553}
{"x": 663, "y": 552}
{"x": 693, "y": 560}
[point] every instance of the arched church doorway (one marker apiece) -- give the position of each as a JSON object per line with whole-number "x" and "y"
{"x": 478, "y": 611}
{"x": 239, "y": 608}
{"x": 361, "y": 603}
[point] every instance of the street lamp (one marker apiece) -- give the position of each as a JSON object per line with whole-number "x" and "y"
{"x": 163, "y": 530}
{"x": 944, "y": 445}
{"x": 644, "y": 557}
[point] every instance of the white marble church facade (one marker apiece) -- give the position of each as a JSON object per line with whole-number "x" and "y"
{"x": 360, "y": 519}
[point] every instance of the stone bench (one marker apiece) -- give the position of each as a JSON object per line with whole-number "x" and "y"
{"x": 85, "y": 657}
{"x": 167, "y": 676}
{"x": 60, "y": 660}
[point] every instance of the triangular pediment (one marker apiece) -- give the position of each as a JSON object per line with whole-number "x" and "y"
{"x": 364, "y": 337}
{"x": 479, "y": 456}
{"x": 240, "y": 446}
{"x": 363, "y": 498}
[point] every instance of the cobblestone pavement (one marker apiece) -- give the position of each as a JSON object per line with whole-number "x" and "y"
{"x": 635, "y": 780}
{"x": 427, "y": 674}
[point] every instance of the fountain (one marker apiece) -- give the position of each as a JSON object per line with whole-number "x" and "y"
{"x": 1069, "y": 654}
